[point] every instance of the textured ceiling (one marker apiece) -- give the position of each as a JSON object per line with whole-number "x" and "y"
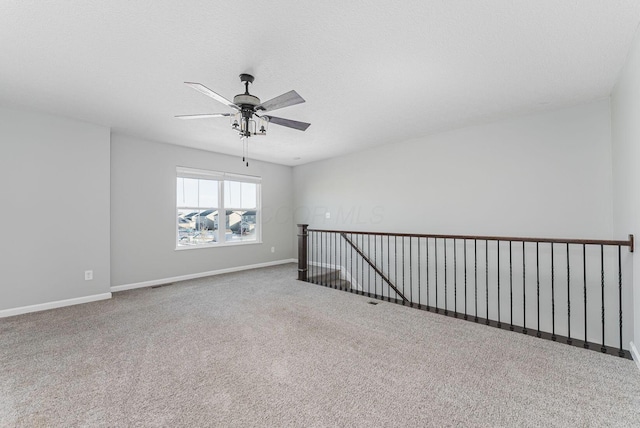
{"x": 372, "y": 72}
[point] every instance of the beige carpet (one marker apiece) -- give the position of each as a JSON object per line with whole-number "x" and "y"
{"x": 259, "y": 348}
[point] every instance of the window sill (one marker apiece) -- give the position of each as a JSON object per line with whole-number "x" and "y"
{"x": 218, "y": 245}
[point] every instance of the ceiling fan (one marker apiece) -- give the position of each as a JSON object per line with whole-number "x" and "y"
{"x": 247, "y": 106}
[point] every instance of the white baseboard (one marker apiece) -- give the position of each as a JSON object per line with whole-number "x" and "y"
{"x": 634, "y": 354}
{"x": 116, "y": 288}
{"x": 53, "y": 305}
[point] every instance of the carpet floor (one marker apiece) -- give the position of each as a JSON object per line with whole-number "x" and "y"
{"x": 258, "y": 348}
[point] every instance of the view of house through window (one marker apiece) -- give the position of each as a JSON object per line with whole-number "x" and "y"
{"x": 215, "y": 208}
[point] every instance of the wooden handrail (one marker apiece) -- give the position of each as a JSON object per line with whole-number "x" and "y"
{"x": 628, "y": 243}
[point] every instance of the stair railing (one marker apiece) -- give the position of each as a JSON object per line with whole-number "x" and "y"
{"x": 567, "y": 290}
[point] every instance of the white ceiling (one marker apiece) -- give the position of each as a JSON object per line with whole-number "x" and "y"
{"x": 372, "y": 72}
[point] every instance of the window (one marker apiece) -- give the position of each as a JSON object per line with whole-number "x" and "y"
{"x": 241, "y": 205}
{"x": 216, "y": 208}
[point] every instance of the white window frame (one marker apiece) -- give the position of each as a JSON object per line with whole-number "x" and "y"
{"x": 221, "y": 177}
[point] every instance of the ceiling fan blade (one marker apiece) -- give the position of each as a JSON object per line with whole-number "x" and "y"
{"x": 301, "y": 126}
{"x": 208, "y": 92}
{"x": 284, "y": 100}
{"x": 202, "y": 116}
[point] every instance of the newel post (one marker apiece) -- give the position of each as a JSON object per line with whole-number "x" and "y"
{"x": 302, "y": 251}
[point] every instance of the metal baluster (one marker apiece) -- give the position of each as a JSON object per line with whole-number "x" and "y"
{"x": 351, "y": 264}
{"x": 320, "y": 258}
{"x": 584, "y": 276}
{"x": 362, "y": 260}
{"x": 455, "y": 279}
{"x": 568, "y": 299}
{"x": 374, "y": 276}
{"x": 538, "y": 285}
{"x": 329, "y": 264}
{"x": 603, "y": 347}
{"x": 347, "y": 269}
{"x": 336, "y": 266}
{"x": 339, "y": 238}
{"x": 320, "y": 255}
{"x": 395, "y": 264}
{"x": 314, "y": 278}
{"x": 363, "y": 266}
{"x": 343, "y": 263}
{"x": 446, "y": 311}
{"x": 336, "y": 261}
{"x": 327, "y": 269}
{"x": 620, "y": 351}
{"x": 465, "y": 280}
{"x": 553, "y": 298}
{"x": 427, "y": 248}
{"x": 511, "y": 285}
{"x": 323, "y": 274}
{"x": 375, "y": 242}
{"x": 334, "y": 284}
{"x": 403, "y": 268}
{"x": 435, "y": 243}
{"x": 524, "y": 292}
{"x": 475, "y": 267}
{"x": 419, "y": 269}
{"x": 382, "y": 265}
{"x": 498, "y": 255}
{"x": 368, "y": 273}
{"x": 389, "y": 266}
{"x": 310, "y": 267}
{"x": 486, "y": 278}
{"x": 323, "y": 278}
{"x": 411, "y": 270}
{"x": 354, "y": 266}
{"x": 375, "y": 260}
{"x": 360, "y": 266}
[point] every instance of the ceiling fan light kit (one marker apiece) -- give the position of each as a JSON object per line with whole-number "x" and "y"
{"x": 247, "y": 106}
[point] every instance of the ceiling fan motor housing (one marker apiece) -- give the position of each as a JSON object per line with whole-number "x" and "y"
{"x": 246, "y": 100}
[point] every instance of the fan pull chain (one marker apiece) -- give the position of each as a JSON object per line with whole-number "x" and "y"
{"x": 247, "y": 142}
{"x": 244, "y": 150}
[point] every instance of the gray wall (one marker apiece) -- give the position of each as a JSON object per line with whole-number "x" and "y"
{"x": 143, "y": 212}
{"x": 543, "y": 175}
{"x": 625, "y": 107}
{"x": 54, "y": 182}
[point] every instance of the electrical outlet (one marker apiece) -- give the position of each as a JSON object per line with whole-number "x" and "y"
{"x": 273, "y": 249}
{"x": 327, "y": 214}
{"x": 88, "y": 275}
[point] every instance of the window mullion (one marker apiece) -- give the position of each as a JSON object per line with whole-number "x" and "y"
{"x": 259, "y": 212}
{"x": 222, "y": 214}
